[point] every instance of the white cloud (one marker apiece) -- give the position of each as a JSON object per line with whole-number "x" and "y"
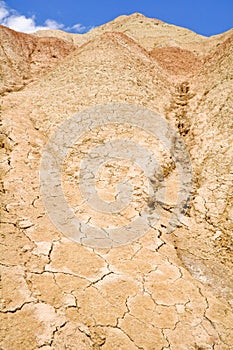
{"x": 78, "y": 28}
{"x": 50, "y": 23}
{"x": 10, "y": 18}
{"x": 23, "y": 24}
{"x": 3, "y": 10}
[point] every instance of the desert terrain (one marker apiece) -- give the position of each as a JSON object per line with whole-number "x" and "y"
{"x": 158, "y": 291}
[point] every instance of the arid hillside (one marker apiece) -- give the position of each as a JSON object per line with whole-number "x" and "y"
{"x": 155, "y": 291}
{"x": 25, "y": 57}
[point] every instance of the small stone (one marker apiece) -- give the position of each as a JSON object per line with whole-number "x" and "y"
{"x": 42, "y": 248}
{"x": 69, "y": 300}
{"x": 217, "y": 235}
{"x": 24, "y": 224}
{"x": 26, "y": 248}
{"x": 180, "y": 308}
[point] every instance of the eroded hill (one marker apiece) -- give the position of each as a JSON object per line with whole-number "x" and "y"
{"x": 162, "y": 291}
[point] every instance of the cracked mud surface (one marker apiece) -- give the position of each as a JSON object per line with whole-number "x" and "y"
{"x": 161, "y": 292}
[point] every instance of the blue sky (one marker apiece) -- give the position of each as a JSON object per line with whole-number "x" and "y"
{"x": 206, "y": 17}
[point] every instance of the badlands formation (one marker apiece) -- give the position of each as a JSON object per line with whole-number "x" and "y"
{"x": 160, "y": 291}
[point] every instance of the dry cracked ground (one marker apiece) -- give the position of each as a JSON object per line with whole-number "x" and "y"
{"x": 161, "y": 291}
